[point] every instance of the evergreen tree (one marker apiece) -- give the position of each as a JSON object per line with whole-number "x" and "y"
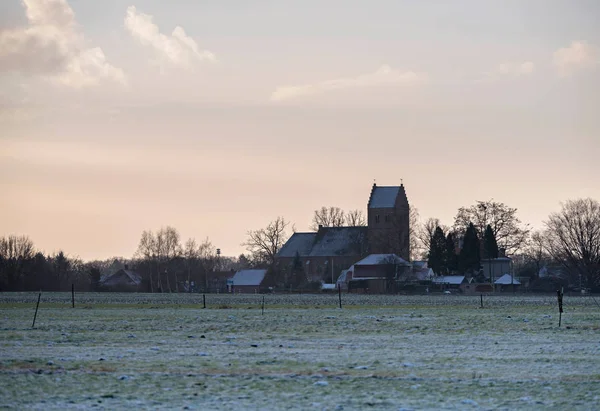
{"x": 490, "y": 246}
{"x": 470, "y": 257}
{"x": 437, "y": 251}
{"x": 298, "y": 278}
{"x": 451, "y": 256}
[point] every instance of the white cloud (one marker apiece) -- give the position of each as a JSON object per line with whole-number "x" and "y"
{"x": 51, "y": 45}
{"x": 385, "y": 75}
{"x": 178, "y": 48}
{"x": 577, "y": 56}
{"x": 508, "y": 70}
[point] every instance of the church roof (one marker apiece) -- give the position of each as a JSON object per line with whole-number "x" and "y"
{"x": 298, "y": 242}
{"x": 327, "y": 242}
{"x": 384, "y": 196}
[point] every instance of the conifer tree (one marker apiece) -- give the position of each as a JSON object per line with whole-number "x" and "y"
{"x": 490, "y": 246}
{"x": 451, "y": 255}
{"x": 298, "y": 278}
{"x": 437, "y": 251}
{"x": 470, "y": 257}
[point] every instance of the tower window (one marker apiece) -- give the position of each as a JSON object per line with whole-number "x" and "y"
{"x": 377, "y": 218}
{"x": 387, "y": 218}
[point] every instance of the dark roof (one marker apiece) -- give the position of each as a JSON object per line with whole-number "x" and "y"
{"x": 298, "y": 242}
{"x": 123, "y": 277}
{"x": 386, "y": 196}
{"x": 327, "y": 242}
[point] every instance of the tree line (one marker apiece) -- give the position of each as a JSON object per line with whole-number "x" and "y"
{"x": 569, "y": 240}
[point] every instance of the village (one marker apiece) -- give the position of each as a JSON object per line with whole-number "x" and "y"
{"x": 372, "y": 258}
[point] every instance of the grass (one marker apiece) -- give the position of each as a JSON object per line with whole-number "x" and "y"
{"x": 379, "y": 352}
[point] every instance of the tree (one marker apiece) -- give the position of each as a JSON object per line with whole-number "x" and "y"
{"x": 490, "y": 246}
{"x": 355, "y": 218}
{"x": 265, "y": 243}
{"x": 169, "y": 248}
{"x": 416, "y": 248}
{"x": 328, "y": 217}
{"x": 437, "y": 251}
{"x": 508, "y": 230}
{"x": 535, "y": 254}
{"x": 573, "y": 239}
{"x": 298, "y": 278}
{"x": 15, "y": 252}
{"x": 450, "y": 255}
{"x": 422, "y": 234}
{"x": 469, "y": 257}
{"x": 147, "y": 250}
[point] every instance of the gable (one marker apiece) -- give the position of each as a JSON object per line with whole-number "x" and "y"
{"x": 383, "y": 197}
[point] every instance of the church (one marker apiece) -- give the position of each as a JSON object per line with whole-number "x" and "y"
{"x": 325, "y": 253}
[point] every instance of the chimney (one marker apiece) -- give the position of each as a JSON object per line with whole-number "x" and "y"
{"x": 126, "y": 267}
{"x": 320, "y": 227}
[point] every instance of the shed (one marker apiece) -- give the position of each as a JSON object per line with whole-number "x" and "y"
{"x": 248, "y": 281}
{"x": 507, "y": 283}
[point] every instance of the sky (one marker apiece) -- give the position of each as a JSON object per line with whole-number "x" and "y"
{"x": 217, "y": 116}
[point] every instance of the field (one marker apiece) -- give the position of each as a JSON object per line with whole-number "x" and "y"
{"x": 164, "y": 351}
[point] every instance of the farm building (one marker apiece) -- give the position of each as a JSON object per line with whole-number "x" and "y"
{"x": 123, "y": 280}
{"x": 451, "y": 282}
{"x": 248, "y": 281}
{"x": 376, "y": 272}
{"x": 507, "y": 283}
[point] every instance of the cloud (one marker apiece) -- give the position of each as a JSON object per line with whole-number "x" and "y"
{"x": 52, "y": 46}
{"x": 178, "y": 48}
{"x": 508, "y": 70}
{"x": 578, "y": 55}
{"x": 385, "y": 75}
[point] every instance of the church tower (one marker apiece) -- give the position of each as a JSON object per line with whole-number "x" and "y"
{"x": 388, "y": 214}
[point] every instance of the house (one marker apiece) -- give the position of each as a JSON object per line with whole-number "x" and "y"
{"x": 495, "y": 268}
{"x": 451, "y": 282}
{"x": 421, "y": 272}
{"x": 325, "y": 253}
{"x": 123, "y": 280}
{"x": 507, "y": 283}
{"x": 248, "y": 281}
{"x": 377, "y": 272}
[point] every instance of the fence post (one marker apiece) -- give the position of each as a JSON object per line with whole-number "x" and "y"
{"x": 36, "y": 309}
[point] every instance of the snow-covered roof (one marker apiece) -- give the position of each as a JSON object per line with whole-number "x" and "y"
{"x": 325, "y": 286}
{"x": 507, "y": 279}
{"x": 449, "y": 279}
{"x": 378, "y": 259}
{"x": 383, "y": 197}
{"x": 249, "y": 277}
{"x": 298, "y": 242}
{"x": 123, "y": 277}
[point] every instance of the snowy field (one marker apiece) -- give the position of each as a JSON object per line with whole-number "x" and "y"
{"x": 141, "y": 351}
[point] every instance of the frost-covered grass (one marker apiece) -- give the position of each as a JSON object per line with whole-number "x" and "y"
{"x": 380, "y": 352}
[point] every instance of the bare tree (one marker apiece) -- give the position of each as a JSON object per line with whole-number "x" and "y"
{"x": 416, "y": 250}
{"x": 573, "y": 238}
{"x": 264, "y": 244}
{"x": 508, "y": 230}
{"x": 535, "y": 250}
{"x": 328, "y": 217}
{"x": 423, "y": 234}
{"x": 355, "y": 218}
{"x": 169, "y": 248}
{"x": 147, "y": 250}
{"x": 190, "y": 255}
{"x": 15, "y": 251}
